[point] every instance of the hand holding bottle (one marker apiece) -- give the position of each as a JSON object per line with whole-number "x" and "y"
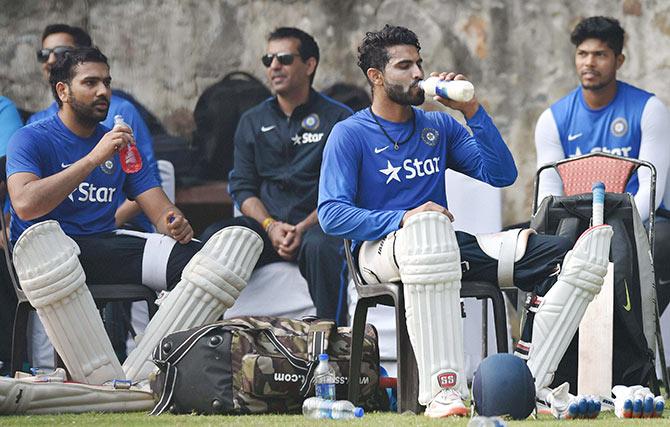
{"x": 452, "y": 90}
{"x": 110, "y": 144}
{"x": 129, "y": 155}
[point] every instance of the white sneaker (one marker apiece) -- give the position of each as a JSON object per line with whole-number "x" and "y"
{"x": 446, "y": 403}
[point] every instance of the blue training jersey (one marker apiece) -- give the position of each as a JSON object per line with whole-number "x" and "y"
{"x": 133, "y": 118}
{"x": 367, "y": 185}
{"x": 45, "y": 148}
{"x": 615, "y": 128}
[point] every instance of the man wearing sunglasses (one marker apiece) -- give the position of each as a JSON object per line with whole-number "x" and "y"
{"x": 278, "y": 147}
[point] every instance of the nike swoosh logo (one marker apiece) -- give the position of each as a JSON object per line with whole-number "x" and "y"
{"x": 379, "y": 150}
{"x": 628, "y": 305}
{"x": 663, "y": 282}
{"x": 573, "y": 137}
{"x": 267, "y": 128}
{"x": 65, "y": 165}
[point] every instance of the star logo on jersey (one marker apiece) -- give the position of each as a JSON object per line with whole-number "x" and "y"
{"x": 391, "y": 172}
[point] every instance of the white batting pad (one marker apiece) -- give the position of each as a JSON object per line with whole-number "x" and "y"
{"x": 25, "y": 396}
{"x": 209, "y": 284}
{"x": 54, "y": 282}
{"x": 429, "y": 260}
{"x": 558, "y": 316}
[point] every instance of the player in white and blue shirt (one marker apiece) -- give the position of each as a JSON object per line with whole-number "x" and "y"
{"x": 634, "y": 124}
{"x": 606, "y": 114}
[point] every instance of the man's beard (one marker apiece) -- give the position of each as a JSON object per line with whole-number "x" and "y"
{"x": 87, "y": 114}
{"x": 402, "y": 96}
{"x": 597, "y": 86}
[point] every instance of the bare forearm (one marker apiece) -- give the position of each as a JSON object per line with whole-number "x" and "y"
{"x": 38, "y": 197}
{"x": 311, "y": 220}
{"x": 127, "y": 211}
{"x": 254, "y": 208}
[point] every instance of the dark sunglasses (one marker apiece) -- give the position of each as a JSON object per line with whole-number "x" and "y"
{"x": 283, "y": 58}
{"x": 43, "y": 54}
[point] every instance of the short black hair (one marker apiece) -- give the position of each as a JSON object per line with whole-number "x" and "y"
{"x": 602, "y": 28}
{"x": 308, "y": 47}
{"x": 81, "y": 37}
{"x": 66, "y": 64}
{"x": 373, "y": 52}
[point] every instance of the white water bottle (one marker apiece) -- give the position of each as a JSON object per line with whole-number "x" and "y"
{"x": 318, "y": 408}
{"x": 324, "y": 379}
{"x": 456, "y": 90}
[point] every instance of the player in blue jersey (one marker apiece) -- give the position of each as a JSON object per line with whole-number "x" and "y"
{"x": 382, "y": 185}
{"x": 64, "y": 181}
{"x": 606, "y": 114}
{"x": 59, "y": 38}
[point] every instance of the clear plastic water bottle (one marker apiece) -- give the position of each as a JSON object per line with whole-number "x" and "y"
{"x": 324, "y": 379}
{"x": 318, "y": 408}
{"x": 456, "y": 90}
{"x": 131, "y": 161}
{"x": 486, "y": 422}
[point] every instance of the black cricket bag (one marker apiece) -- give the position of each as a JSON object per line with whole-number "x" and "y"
{"x": 634, "y": 288}
{"x": 217, "y": 113}
{"x": 253, "y": 365}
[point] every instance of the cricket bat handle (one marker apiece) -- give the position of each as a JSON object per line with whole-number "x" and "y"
{"x": 598, "y": 189}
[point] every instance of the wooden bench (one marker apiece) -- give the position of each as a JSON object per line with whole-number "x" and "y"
{"x": 205, "y": 204}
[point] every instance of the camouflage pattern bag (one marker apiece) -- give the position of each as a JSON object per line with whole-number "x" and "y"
{"x": 253, "y": 365}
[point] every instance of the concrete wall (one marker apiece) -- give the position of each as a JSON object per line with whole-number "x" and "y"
{"x": 516, "y": 52}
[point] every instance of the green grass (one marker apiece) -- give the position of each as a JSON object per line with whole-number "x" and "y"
{"x": 385, "y": 419}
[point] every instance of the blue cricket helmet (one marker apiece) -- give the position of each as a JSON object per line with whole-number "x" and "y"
{"x": 503, "y": 385}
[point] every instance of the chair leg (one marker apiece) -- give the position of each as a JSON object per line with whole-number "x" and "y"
{"x": 357, "y": 335}
{"x": 661, "y": 354}
{"x": 408, "y": 371}
{"x": 19, "y": 337}
{"x": 500, "y": 320}
{"x": 485, "y": 328}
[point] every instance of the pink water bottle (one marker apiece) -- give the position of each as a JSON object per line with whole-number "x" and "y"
{"x": 131, "y": 161}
